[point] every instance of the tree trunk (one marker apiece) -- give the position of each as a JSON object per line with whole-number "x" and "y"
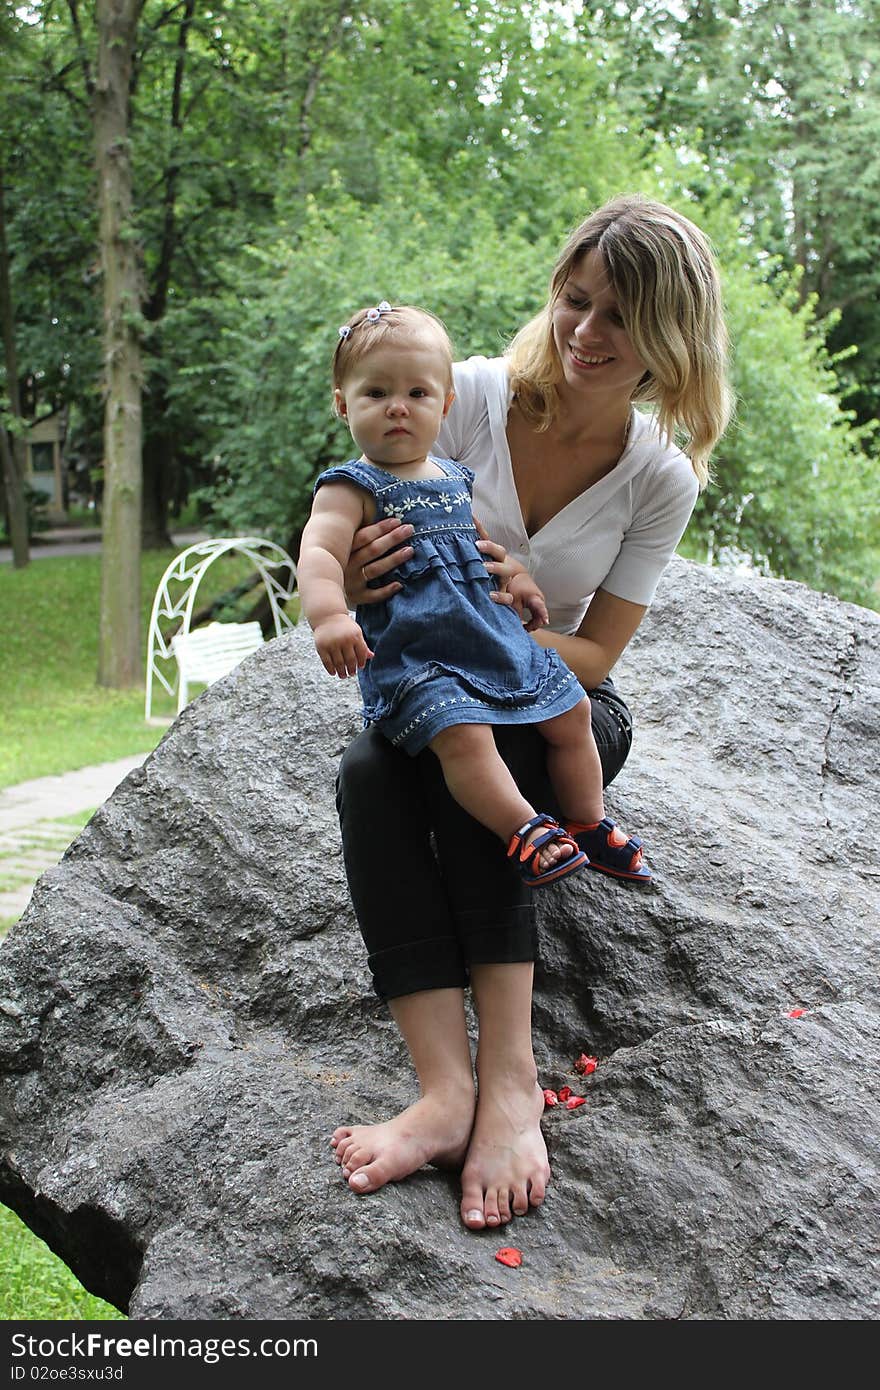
{"x": 12, "y": 444}
{"x": 119, "y": 657}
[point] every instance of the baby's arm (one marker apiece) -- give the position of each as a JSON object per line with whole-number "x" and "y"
{"x": 526, "y": 594}
{"x": 337, "y": 512}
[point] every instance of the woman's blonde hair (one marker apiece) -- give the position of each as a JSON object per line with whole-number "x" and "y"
{"x": 368, "y": 329}
{"x": 665, "y": 277}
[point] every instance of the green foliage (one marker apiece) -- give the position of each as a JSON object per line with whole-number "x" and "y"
{"x": 782, "y": 101}
{"x": 265, "y": 383}
{"x": 796, "y": 487}
{"x": 52, "y": 225}
{"x": 295, "y": 160}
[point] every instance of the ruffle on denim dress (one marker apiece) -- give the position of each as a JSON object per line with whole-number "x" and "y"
{"x": 444, "y": 652}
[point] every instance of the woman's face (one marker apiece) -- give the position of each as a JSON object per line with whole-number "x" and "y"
{"x": 593, "y": 346}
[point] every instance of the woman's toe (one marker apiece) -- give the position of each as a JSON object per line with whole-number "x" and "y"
{"x": 369, "y": 1177}
{"x": 490, "y": 1207}
{"x": 520, "y": 1202}
{"x": 473, "y": 1218}
{"x": 504, "y": 1205}
{"x": 357, "y": 1157}
{"x": 537, "y": 1192}
{"x": 472, "y": 1209}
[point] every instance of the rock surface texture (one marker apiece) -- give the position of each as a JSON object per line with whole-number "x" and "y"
{"x": 185, "y": 1013}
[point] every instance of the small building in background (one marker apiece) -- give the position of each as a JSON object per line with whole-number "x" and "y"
{"x": 45, "y": 471}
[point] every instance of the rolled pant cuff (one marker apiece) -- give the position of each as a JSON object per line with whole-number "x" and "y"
{"x": 491, "y": 943}
{"x": 417, "y": 965}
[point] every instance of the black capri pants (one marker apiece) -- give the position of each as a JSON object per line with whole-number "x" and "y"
{"x": 432, "y": 889}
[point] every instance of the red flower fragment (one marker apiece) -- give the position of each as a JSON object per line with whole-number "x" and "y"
{"x": 510, "y": 1256}
{"x": 586, "y": 1065}
{"x": 797, "y": 1013}
{"x": 564, "y": 1092}
{"x": 551, "y": 1098}
{"x": 574, "y": 1101}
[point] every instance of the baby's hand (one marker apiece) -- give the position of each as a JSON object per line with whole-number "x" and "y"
{"x": 526, "y": 594}
{"x": 340, "y": 644}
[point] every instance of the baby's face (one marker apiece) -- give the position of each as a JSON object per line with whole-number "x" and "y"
{"x": 394, "y": 399}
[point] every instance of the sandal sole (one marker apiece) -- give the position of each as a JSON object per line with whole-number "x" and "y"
{"x": 644, "y": 877}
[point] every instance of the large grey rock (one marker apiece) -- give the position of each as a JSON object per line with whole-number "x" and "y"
{"x": 185, "y": 1014}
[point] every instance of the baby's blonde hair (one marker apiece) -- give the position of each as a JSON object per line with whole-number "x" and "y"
{"x": 374, "y": 327}
{"x": 665, "y": 278}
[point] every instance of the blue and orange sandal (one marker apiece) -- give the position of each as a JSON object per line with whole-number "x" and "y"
{"x": 610, "y": 851}
{"x": 526, "y": 853}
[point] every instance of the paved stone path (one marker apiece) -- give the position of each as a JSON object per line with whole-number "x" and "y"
{"x": 39, "y": 819}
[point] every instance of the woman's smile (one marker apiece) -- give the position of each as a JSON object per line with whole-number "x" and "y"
{"x": 588, "y": 359}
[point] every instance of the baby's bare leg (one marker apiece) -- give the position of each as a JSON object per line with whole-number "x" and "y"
{"x": 480, "y": 780}
{"x": 573, "y": 764}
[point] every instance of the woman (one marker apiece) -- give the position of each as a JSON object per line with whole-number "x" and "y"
{"x": 592, "y": 496}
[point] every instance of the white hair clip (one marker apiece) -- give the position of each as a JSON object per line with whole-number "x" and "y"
{"x": 345, "y": 331}
{"x": 374, "y": 315}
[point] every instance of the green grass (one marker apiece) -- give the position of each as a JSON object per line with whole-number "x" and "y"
{"x": 35, "y": 1284}
{"x": 53, "y": 715}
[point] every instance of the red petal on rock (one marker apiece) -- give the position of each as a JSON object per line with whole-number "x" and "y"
{"x": 551, "y": 1098}
{"x": 510, "y": 1256}
{"x": 797, "y": 1013}
{"x": 585, "y": 1065}
{"x": 564, "y": 1092}
{"x": 574, "y": 1101}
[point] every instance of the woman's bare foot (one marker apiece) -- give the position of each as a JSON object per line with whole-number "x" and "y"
{"x": 436, "y": 1129}
{"x": 506, "y": 1169}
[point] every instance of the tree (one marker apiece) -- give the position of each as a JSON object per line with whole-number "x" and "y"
{"x": 286, "y": 163}
{"x": 781, "y": 99}
{"x": 119, "y": 658}
{"x": 11, "y": 433}
{"x": 12, "y": 445}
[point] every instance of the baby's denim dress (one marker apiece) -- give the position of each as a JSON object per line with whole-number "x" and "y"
{"x": 444, "y": 652}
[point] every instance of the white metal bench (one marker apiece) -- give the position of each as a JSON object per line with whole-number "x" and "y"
{"x": 207, "y": 653}
{"x": 204, "y": 654}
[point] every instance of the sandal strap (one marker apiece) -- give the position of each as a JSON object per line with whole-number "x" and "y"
{"x": 518, "y": 838}
{"x": 554, "y": 832}
{"x": 623, "y": 855}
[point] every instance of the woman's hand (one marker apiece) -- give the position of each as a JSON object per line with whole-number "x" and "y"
{"x": 374, "y": 553}
{"x": 496, "y": 562}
